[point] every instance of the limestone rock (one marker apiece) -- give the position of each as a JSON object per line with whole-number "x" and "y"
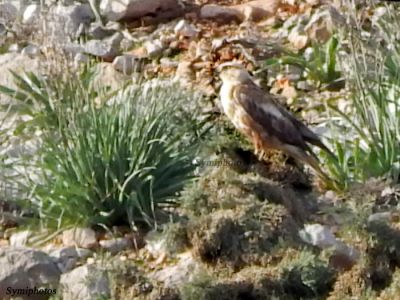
{"x": 250, "y": 11}
{"x": 116, "y": 245}
{"x": 127, "y": 64}
{"x": 31, "y": 14}
{"x": 85, "y": 283}
{"x": 79, "y": 237}
{"x": 135, "y": 9}
{"x": 20, "y": 239}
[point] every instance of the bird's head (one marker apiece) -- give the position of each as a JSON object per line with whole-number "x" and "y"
{"x": 234, "y": 73}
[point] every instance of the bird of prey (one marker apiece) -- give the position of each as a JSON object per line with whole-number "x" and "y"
{"x": 264, "y": 121}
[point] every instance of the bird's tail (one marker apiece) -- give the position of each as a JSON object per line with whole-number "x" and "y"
{"x": 321, "y": 145}
{"x": 309, "y": 158}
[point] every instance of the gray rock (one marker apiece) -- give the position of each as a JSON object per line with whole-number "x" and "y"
{"x": 320, "y": 236}
{"x": 67, "y": 257}
{"x": 298, "y": 37}
{"x": 116, "y": 245}
{"x": 154, "y": 48}
{"x": 79, "y": 237}
{"x": 71, "y": 19}
{"x": 14, "y": 48}
{"x": 8, "y": 11}
{"x": 85, "y": 283}
{"x": 114, "y": 10}
{"x": 211, "y": 11}
{"x": 81, "y": 58}
{"x": 31, "y": 50}
{"x": 380, "y": 217}
{"x": 107, "y": 49}
{"x": 18, "y": 63}
{"x": 98, "y": 31}
{"x": 72, "y": 49}
{"x": 305, "y": 86}
{"x": 185, "y": 29}
{"x": 3, "y": 29}
{"x": 127, "y": 64}
{"x": 31, "y": 14}
{"x": 135, "y": 9}
{"x": 22, "y": 268}
{"x": 180, "y": 273}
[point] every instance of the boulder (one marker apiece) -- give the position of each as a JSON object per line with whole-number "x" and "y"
{"x": 87, "y": 282}
{"x": 136, "y": 9}
{"x": 79, "y": 237}
{"x": 250, "y": 11}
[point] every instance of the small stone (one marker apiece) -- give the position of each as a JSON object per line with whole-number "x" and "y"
{"x": 8, "y": 12}
{"x": 136, "y": 9}
{"x": 298, "y": 38}
{"x": 102, "y": 49}
{"x": 380, "y": 217}
{"x": 305, "y": 86}
{"x": 320, "y": 236}
{"x": 31, "y": 50}
{"x": 183, "y": 271}
{"x": 14, "y": 48}
{"x": 211, "y": 11}
{"x": 67, "y": 257}
{"x": 113, "y": 10}
{"x": 153, "y": 48}
{"x": 81, "y": 58}
{"x": 250, "y": 11}
{"x": 127, "y": 64}
{"x": 183, "y": 28}
{"x": 31, "y": 14}
{"x": 313, "y": 2}
{"x": 21, "y": 238}
{"x": 72, "y": 19}
{"x": 98, "y": 31}
{"x": 80, "y": 237}
{"x": 116, "y": 245}
{"x": 289, "y": 92}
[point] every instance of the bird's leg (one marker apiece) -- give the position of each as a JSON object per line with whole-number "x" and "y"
{"x": 259, "y": 151}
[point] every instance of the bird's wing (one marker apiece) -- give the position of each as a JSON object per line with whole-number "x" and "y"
{"x": 275, "y": 120}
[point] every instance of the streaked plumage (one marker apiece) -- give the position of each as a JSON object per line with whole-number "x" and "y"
{"x": 263, "y": 120}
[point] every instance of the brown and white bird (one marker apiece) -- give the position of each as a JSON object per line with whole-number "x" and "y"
{"x": 264, "y": 121}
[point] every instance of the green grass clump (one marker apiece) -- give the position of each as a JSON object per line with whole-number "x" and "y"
{"x": 366, "y": 140}
{"x": 106, "y": 158}
{"x": 320, "y": 66}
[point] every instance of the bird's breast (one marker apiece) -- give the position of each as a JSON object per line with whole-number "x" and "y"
{"x": 233, "y": 110}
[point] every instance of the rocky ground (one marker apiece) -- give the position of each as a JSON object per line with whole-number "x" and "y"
{"x": 251, "y": 230}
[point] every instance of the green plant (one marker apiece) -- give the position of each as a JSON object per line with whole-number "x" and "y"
{"x": 107, "y": 158}
{"x": 366, "y": 139}
{"x": 320, "y": 66}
